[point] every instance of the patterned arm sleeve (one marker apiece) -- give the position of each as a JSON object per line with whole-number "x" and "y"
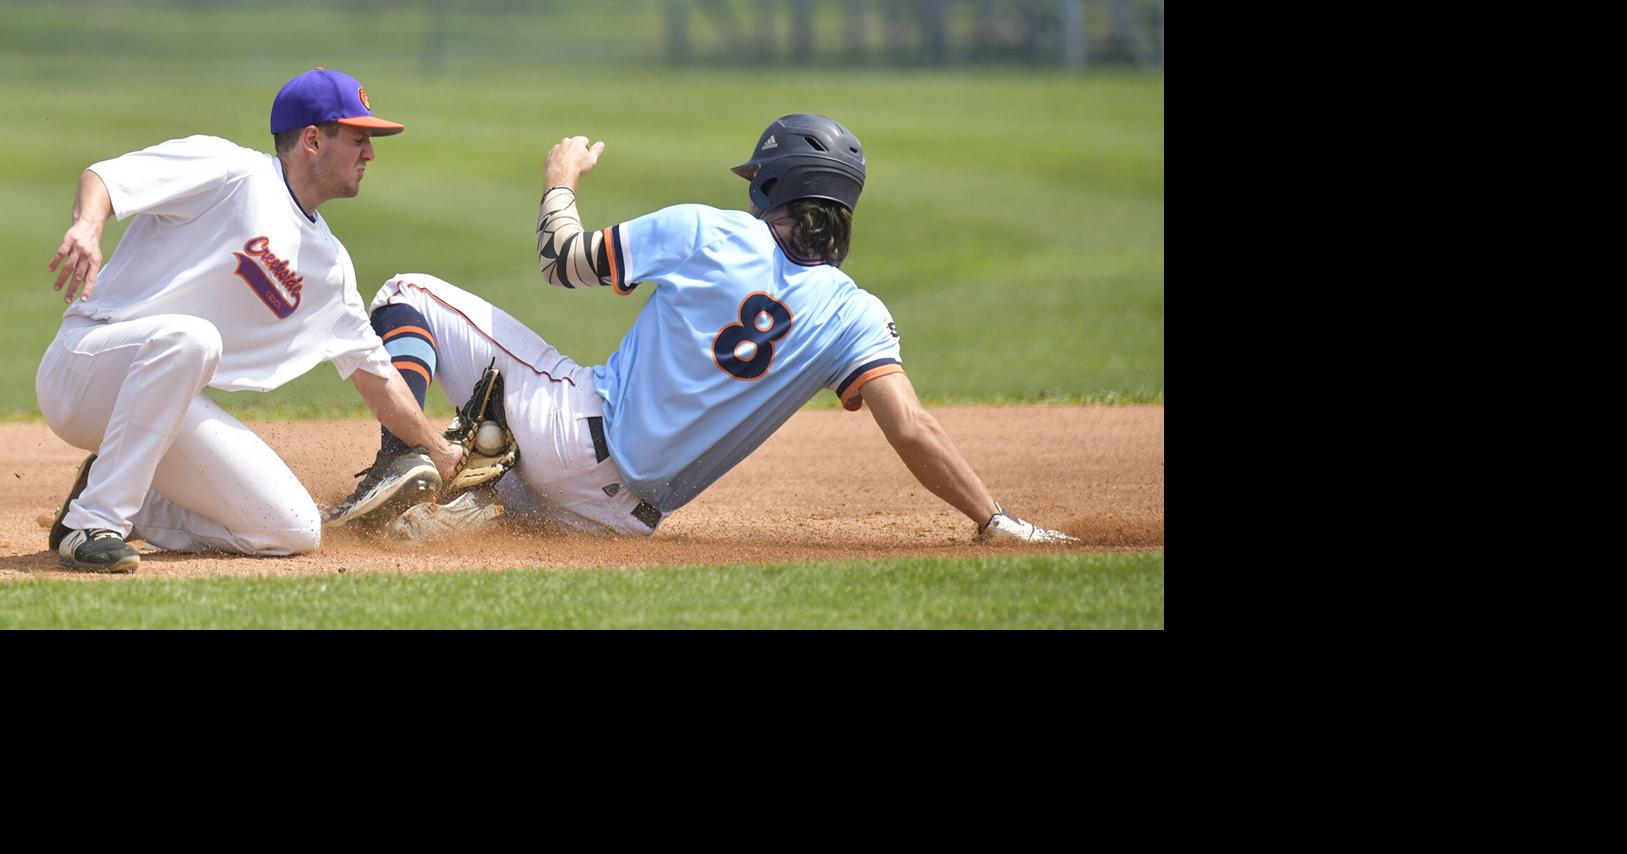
{"x": 568, "y": 256}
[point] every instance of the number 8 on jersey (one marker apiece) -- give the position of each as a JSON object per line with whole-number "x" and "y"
{"x": 744, "y": 350}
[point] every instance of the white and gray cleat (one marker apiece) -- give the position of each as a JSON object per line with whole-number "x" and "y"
{"x": 1005, "y": 528}
{"x": 475, "y": 510}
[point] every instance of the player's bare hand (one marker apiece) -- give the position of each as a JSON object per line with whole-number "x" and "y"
{"x": 447, "y": 458}
{"x": 78, "y": 260}
{"x": 569, "y": 160}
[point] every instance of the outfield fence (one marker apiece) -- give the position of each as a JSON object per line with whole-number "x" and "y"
{"x": 454, "y": 36}
{"x": 1067, "y": 33}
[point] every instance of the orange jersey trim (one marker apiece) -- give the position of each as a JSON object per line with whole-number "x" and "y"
{"x": 609, "y": 244}
{"x": 852, "y": 402}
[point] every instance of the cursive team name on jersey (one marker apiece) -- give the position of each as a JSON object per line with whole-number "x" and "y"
{"x": 254, "y": 273}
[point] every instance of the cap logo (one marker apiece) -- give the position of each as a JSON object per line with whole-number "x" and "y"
{"x": 361, "y": 92}
{"x": 769, "y": 144}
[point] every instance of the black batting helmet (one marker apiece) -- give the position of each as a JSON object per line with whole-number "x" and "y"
{"x": 804, "y": 156}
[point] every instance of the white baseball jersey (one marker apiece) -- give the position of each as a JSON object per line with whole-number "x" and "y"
{"x": 739, "y": 334}
{"x": 221, "y": 281}
{"x": 219, "y": 236}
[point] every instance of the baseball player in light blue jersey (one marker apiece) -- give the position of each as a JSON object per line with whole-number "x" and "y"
{"x": 749, "y": 318}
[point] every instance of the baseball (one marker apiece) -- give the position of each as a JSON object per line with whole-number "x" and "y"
{"x": 489, "y": 438}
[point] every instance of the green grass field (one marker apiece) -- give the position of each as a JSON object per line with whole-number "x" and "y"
{"x": 1013, "y": 222}
{"x": 1118, "y": 591}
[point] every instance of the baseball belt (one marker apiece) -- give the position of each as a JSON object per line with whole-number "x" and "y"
{"x": 645, "y": 511}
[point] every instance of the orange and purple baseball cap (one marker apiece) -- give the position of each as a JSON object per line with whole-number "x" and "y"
{"x": 321, "y": 95}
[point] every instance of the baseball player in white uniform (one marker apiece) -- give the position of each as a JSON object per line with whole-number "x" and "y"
{"x": 749, "y": 318}
{"x": 227, "y": 278}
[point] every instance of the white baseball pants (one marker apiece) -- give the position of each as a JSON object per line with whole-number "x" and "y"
{"x": 547, "y": 398}
{"x": 172, "y": 465}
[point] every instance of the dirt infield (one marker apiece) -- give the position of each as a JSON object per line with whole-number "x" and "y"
{"x": 826, "y": 487}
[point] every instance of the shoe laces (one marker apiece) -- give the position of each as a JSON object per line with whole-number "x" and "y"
{"x": 379, "y": 460}
{"x": 371, "y": 475}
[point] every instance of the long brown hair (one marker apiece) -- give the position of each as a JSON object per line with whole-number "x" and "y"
{"x": 817, "y": 229}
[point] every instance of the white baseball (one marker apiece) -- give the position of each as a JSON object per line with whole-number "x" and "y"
{"x": 489, "y": 438}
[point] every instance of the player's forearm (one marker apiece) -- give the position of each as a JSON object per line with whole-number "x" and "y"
{"x": 394, "y": 406}
{"x": 930, "y": 455}
{"x": 79, "y": 258}
{"x": 568, "y": 256}
{"x": 92, "y": 204}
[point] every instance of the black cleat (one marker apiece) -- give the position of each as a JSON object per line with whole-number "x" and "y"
{"x": 97, "y": 550}
{"x": 59, "y": 530}
{"x": 394, "y": 483}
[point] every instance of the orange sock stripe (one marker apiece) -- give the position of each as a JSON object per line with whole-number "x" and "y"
{"x": 418, "y": 329}
{"x": 415, "y": 367}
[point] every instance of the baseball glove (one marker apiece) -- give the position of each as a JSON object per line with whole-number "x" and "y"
{"x": 480, "y": 465}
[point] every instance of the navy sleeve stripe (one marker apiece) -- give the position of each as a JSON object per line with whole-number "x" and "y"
{"x": 618, "y": 259}
{"x": 841, "y": 390}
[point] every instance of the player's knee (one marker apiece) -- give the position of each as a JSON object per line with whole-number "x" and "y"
{"x": 287, "y": 527}
{"x": 305, "y": 534}
{"x": 299, "y": 530}
{"x": 408, "y": 289}
{"x": 303, "y": 540}
{"x": 192, "y": 341}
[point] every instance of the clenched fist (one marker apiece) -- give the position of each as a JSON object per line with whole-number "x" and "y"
{"x": 568, "y": 161}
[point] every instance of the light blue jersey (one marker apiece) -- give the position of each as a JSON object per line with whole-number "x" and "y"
{"x": 737, "y": 336}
